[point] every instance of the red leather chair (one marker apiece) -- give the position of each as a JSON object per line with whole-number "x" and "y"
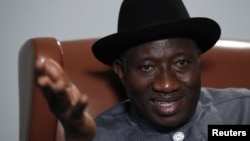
{"x": 222, "y": 66}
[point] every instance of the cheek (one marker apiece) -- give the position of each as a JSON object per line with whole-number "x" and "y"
{"x": 192, "y": 83}
{"x": 191, "y": 78}
{"x": 136, "y": 86}
{"x": 196, "y": 78}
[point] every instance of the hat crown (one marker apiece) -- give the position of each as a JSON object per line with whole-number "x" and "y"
{"x": 142, "y": 13}
{"x": 143, "y": 21}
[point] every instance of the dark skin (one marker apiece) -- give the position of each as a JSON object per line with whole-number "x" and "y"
{"x": 65, "y": 101}
{"x": 162, "y": 79}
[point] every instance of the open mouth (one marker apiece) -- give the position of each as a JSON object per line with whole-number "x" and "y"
{"x": 162, "y": 103}
{"x": 166, "y": 106}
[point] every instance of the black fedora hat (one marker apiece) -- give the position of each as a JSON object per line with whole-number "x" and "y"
{"x": 142, "y": 21}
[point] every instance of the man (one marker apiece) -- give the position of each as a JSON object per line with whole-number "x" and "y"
{"x": 156, "y": 55}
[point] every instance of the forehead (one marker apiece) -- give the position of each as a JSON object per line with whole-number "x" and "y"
{"x": 164, "y": 47}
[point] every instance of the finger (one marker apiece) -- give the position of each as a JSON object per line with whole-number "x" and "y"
{"x": 74, "y": 94}
{"x": 57, "y": 78}
{"x": 39, "y": 63}
{"x": 53, "y": 83}
{"x": 45, "y": 81}
{"x": 62, "y": 100}
{"x": 54, "y": 70}
{"x": 71, "y": 105}
{"x": 63, "y": 97}
{"x": 58, "y": 95}
{"x": 76, "y": 102}
{"x": 49, "y": 67}
{"x": 78, "y": 110}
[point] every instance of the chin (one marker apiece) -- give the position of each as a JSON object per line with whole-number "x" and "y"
{"x": 173, "y": 122}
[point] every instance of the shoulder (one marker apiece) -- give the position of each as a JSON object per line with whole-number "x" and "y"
{"x": 112, "y": 124}
{"x": 114, "y": 117}
{"x": 226, "y": 100}
{"x": 216, "y": 96}
{"x": 227, "y": 106}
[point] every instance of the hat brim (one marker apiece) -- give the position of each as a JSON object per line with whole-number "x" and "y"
{"x": 204, "y": 31}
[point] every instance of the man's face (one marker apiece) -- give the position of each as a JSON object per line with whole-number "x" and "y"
{"x": 162, "y": 79}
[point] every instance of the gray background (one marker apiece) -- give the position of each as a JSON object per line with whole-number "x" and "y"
{"x": 78, "y": 19}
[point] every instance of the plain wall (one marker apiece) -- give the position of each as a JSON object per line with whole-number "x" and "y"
{"x": 77, "y": 19}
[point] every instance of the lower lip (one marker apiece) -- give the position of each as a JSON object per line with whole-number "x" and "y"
{"x": 166, "y": 108}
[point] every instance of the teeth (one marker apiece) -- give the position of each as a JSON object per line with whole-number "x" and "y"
{"x": 163, "y": 103}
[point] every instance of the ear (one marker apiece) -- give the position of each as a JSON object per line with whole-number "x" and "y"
{"x": 119, "y": 70}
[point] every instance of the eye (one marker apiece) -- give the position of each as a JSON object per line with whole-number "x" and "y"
{"x": 182, "y": 62}
{"x": 147, "y": 68}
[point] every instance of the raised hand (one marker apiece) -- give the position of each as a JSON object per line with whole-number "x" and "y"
{"x": 65, "y": 100}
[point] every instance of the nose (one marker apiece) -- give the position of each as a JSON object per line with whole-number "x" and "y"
{"x": 166, "y": 82}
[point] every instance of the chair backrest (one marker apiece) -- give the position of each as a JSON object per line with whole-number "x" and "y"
{"x": 222, "y": 66}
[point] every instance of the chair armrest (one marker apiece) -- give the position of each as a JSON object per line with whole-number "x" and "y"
{"x": 30, "y": 127}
